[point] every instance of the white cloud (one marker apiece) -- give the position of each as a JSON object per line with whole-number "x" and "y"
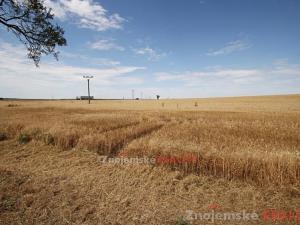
{"x": 19, "y": 73}
{"x": 230, "y": 47}
{"x": 56, "y": 8}
{"x": 274, "y": 79}
{"x": 219, "y": 74}
{"x": 105, "y": 44}
{"x": 90, "y": 60}
{"x": 150, "y": 53}
{"x": 105, "y": 62}
{"x": 277, "y": 71}
{"x": 165, "y": 76}
{"x": 87, "y": 14}
{"x": 283, "y": 67}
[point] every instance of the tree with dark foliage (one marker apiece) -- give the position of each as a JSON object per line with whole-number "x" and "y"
{"x": 30, "y": 21}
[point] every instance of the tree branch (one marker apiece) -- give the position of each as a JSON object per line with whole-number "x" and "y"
{"x": 30, "y": 21}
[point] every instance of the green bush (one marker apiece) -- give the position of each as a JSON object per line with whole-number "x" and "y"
{"x": 24, "y": 138}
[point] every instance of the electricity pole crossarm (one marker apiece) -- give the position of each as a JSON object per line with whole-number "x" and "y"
{"x": 88, "y": 80}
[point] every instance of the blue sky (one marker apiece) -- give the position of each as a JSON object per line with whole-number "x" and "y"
{"x": 175, "y": 48}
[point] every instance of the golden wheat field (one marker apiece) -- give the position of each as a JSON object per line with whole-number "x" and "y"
{"x": 218, "y": 154}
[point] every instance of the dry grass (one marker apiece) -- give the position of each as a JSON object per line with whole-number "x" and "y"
{"x": 250, "y": 142}
{"x": 249, "y": 146}
{"x": 263, "y": 147}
